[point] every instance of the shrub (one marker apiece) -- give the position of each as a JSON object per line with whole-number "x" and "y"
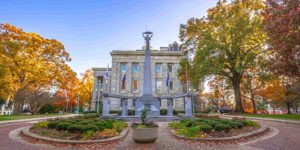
{"x": 131, "y": 112}
{"x": 192, "y": 131}
{"x": 119, "y": 126}
{"x": 236, "y": 124}
{"x": 86, "y": 122}
{"x": 53, "y": 124}
{"x": 42, "y": 124}
{"x": 222, "y": 127}
{"x": 211, "y": 122}
{"x": 48, "y": 108}
{"x": 249, "y": 123}
{"x": 63, "y": 125}
{"x": 182, "y": 131}
{"x": 90, "y": 115}
{"x": 163, "y": 112}
{"x": 75, "y": 128}
{"x": 205, "y": 127}
{"x": 107, "y": 124}
{"x": 88, "y": 135}
{"x": 89, "y": 111}
{"x": 90, "y": 127}
{"x": 107, "y": 133}
{"x": 175, "y": 125}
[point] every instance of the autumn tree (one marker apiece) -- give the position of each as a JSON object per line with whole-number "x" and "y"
{"x": 86, "y": 86}
{"x": 282, "y": 24}
{"x": 31, "y": 61}
{"x": 227, "y": 40}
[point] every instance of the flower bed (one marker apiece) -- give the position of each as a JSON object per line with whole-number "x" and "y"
{"x": 79, "y": 128}
{"x": 212, "y": 127}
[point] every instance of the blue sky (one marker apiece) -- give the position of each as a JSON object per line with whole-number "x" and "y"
{"x": 90, "y": 29}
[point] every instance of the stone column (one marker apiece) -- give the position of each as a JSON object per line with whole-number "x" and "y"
{"x": 170, "y": 106}
{"x": 105, "y": 109}
{"x": 124, "y": 107}
{"x": 188, "y": 106}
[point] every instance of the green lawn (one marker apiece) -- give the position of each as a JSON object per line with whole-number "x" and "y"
{"x": 17, "y": 117}
{"x": 275, "y": 116}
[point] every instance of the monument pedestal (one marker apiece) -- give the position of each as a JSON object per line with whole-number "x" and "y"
{"x": 149, "y": 103}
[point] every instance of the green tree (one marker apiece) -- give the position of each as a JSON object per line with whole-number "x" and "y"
{"x": 227, "y": 40}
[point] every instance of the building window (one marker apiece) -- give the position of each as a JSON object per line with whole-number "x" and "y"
{"x": 123, "y": 67}
{"x": 158, "y": 68}
{"x": 158, "y": 85}
{"x": 135, "y": 84}
{"x": 170, "y": 67}
{"x": 135, "y": 68}
{"x": 171, "y": 85}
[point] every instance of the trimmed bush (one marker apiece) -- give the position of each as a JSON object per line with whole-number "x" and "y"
{"x": 107, "y": 133}
{"x": 193, "y": 131}
{"x": 53, "y": 124}
{"x": 205, "y": 127}
{"x": 90, "y": 127}
{"x": 249, "y": 123}
{"x": 48, "y": 108}
{"x": 88, "y": 135}
{"x": 222, "y": 127}
{"x": 42, "y": 124}
{"x": 63, "y": 125}
{"x": 75, "y": 128}
{"x": 119, "y": 126}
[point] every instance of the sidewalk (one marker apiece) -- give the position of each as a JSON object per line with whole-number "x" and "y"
{"x": 266, "y": 119}
{"x": 41, "y": 118}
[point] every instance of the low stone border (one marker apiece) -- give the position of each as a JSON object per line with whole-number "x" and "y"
{"x": 26, "y": 132}
{"x": 262, "y": 129}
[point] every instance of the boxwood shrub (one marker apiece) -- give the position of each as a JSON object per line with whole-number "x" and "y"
{"x": 222, "y": 127}
{"x": 75, "y": 128}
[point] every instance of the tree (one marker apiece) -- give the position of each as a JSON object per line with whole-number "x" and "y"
{"x": 31, "y": 62}
{"x": 185, "y": 73}
{"x": 86, "y": 87}
{"x": 227, "y": 40}
{"x": 282, "y": 24}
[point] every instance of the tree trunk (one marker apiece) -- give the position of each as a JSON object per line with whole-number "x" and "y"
{"x": 288, "y": 104}
{"x": 253, "y": 104}
{"x": 237, "y": 92}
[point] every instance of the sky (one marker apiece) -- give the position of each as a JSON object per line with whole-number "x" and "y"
{"x": 91, "y": 29}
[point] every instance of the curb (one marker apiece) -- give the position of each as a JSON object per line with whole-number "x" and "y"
{"x": 262, "y": 129}
{"x": 26, "y": 132}
{"x": 264, "y": 119}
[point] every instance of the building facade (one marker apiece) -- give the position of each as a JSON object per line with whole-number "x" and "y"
{"x": 126, "y": 77}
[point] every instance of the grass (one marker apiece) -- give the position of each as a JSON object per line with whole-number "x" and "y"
{"x": 18, "y": 117}
{"x": 275, "y": 116}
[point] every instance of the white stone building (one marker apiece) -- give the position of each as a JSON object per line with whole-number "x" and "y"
{"x": 130, "y": 63}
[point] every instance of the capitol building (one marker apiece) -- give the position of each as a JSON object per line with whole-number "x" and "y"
{"x": 125, "y": 76}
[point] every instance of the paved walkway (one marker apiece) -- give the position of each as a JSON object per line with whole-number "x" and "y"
{"x": 265, "y": 119}
{"x": 35, "y": 119}
{"x": 287, "y": 138}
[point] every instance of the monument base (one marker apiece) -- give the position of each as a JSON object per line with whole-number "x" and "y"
{"x": 149, "y": 103}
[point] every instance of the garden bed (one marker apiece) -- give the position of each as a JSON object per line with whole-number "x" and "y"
{"x": 215, "y": 128}
{"x": 77, "y": 129}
